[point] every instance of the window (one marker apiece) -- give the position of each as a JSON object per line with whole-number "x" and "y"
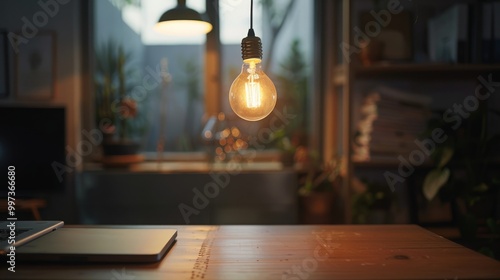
{"x": 175, "y": 109}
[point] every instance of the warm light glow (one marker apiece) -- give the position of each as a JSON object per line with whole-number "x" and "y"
{"x": 252, "y": 95}
{"x": 183, "y": 27}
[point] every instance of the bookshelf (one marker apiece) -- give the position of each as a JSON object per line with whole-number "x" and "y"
{"x": 415, "y": 70}
{"x": 425, "y": 70}
{"x": 346, "y": 82}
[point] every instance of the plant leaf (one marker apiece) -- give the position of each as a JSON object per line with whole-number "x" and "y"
{"x": 446, "y": 155}
{"x": 481, "y": 188}
{"x": 434, "y": 181}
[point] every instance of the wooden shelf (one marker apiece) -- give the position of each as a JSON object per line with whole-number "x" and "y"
{"x": 384, "y": 162}
{"x": 413, "y": 70}
{"x": 425, "y": 70}
{"x": 392, "y": 161}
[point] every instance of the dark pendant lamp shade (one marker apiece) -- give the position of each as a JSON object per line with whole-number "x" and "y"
{"x": 183, "y": 21}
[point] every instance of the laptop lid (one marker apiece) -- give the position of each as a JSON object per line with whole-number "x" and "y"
{"x": 17, "y": 233}
{"x": 100, "y": 245}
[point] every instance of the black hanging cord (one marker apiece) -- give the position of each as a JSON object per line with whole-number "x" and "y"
{"x": 251, "y": 14}
{"x": 251, "y": 33}
{"x": 251, "y": 46}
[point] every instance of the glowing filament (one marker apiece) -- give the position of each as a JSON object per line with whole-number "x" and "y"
{"x": 253, "y": 94}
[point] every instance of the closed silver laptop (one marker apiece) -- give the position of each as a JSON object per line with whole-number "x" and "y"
{"x": 99, "y": 244}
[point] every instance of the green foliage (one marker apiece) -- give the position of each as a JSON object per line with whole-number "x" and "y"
{"x": 465, "y": 172}
{"x": 117, "y": 111}
{"x": 192, "y": 82}
{"x": 375, "y": 197}
{"x": 319, "y": 177}
{"x": 463, "y": 160}
{"x": 294, "y": 67}
{"x": 292, "y": 81}
{"x": 276, "y": 14}
{"x": 191, "y": 79}
{"x": 106, "y": 69}
{"x": 434, "y": 181}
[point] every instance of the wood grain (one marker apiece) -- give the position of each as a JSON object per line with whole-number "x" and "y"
{"x": 291, "y": 252}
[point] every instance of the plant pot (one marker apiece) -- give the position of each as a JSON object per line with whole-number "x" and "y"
{"x": 378, "y": 216}
{"x": 121, "y": 154}
{"x": 471, "y": 219}
{"x": 372, "y": 52}
{"x": 468, "y": 226}
{"x": 316, "y": 208}
{"x": 287, "y": 159}
{"x": 120, "y": 148}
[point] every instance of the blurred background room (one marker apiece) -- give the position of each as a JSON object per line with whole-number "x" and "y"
{"x": 388, "y": 112}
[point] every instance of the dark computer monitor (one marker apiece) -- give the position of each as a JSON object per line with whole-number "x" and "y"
{"x": 31, "y": 140}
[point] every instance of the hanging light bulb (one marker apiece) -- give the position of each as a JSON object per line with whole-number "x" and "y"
{"x": 252, "y": 95}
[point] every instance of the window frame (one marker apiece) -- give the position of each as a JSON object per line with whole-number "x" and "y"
{"x": 212, "y": 82}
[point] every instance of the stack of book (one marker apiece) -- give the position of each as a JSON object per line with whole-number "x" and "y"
{"x": 391, "y": 121}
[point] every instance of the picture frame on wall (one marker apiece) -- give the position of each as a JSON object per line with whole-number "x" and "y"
{"x": 36, "y": 68}
{"x": 4, "y": 65}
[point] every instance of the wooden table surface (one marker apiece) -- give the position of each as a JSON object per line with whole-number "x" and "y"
{"x": 290, "y": 252}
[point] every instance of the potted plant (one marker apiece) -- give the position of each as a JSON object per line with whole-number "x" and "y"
{"x": 317, "y": 186}
{"x": 292, "y": 81}
{"x": 371, "y": 202}
{"x": 464, "y": 173}
{"x": 117, "y": 110}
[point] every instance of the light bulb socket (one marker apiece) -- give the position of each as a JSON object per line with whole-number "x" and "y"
{"x": 251, "y": 46}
